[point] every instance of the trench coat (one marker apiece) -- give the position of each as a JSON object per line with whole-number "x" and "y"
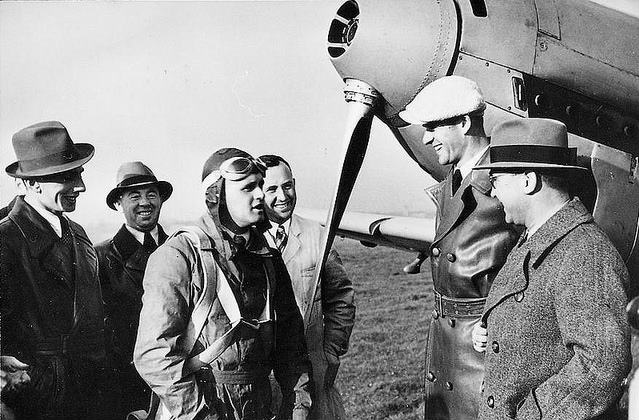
{"x": 471, "y": 243}
{"x": 122, "y": 261}
{"x": 172, "y": 284}
{"x": 558, "y": 338}
{"x": 330, "y": 315}
{"x": 52, "y": 318}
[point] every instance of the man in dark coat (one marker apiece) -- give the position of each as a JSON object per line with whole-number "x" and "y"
{"x": 218, "y": 310}
{"x": 139, "y": 196}
{"x": 51, "y": 307}
{"x": 471, "y": 243}
{"x": 558, "y": 342}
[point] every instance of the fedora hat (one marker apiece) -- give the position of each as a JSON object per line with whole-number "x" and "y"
{"x": 46, "y": 149}
{"x": 133, "y": 175}
{"x": 445, "y": 98}
{"x": 531, "y": 143}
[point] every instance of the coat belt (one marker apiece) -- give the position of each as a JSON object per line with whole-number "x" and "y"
{"x": 459, "y": 307}
{"x": 240, "y": 377}
{"x": 67, "y": 344}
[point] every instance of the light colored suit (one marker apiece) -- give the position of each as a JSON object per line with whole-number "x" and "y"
{"x": 332, "y": 313}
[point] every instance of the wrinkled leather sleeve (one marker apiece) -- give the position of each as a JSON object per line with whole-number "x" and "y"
{"x": 337, "y": 305}
{"x": 159, "y": 356}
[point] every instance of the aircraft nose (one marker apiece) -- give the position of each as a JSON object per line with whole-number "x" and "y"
{"x": 415, "y": 39}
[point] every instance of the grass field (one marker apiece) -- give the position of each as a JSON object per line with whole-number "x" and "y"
{"x": 381, "y": 375}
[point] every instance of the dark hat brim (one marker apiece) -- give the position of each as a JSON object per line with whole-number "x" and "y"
{"x": 530, "y": 166}
{"x": 164, "y": 188}
{"x": 85, "y": 152}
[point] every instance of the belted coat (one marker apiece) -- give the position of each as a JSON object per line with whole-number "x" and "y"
{"x": 558, "y": 338}
{"x": 329, "y": 316}
{"x": 173, "y": 283}
{"x": 471, "y": 243}
{"x": 52, "y": 317}
{"x": 122, "y": 261}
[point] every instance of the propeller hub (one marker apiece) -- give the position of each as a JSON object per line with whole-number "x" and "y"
{"x": 358, "y": 91}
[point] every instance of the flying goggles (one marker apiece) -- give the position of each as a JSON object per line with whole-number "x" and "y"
{"x": 235, "y": 169}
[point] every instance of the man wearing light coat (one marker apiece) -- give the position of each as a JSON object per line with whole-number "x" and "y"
{"x": 330, "y": 313}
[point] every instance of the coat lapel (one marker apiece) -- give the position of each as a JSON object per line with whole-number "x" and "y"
{"x": 42, "y": 241}
{"x": 452, "y": 209}
{"x": 293, "y": 244}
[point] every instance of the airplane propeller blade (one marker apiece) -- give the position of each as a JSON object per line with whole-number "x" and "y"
{"x": 361, "y": 99}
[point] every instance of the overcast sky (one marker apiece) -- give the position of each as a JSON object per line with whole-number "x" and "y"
{"x": 168, "y": 83}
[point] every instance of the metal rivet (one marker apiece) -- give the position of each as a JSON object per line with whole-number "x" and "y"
{"x": 430, "y": 377}
{"x": 627, "y": 130}
{"x": 460, "y": 57}
{"x": 495, "y": 347}
{"x": 600, "y": 121}
{"x": 490, "y": 401}
{"x": 487, "y": 64}
{"x": 509, "y": 108}
{"x": 569, "y": 110}
{"x": 451, "y": 322}
{"x": 539, "y": 100}
{"x": 451, "y": 257}
{"x": 519, "y": 296}
{"x": 543, "y": 46}
{"x": 435, "y": 314}
{"x": 449, "y": 386}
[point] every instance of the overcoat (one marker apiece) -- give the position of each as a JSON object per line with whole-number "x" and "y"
{"x": 122, "y": 260}
{"x": 330, "y": 315}
{"x": 558, "y": 338}
{"x": 52, "y": 317}
{"x": 471, "y": 244}
{"x": 172, "y": 285}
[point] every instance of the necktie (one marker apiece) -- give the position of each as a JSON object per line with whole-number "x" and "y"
{"x": 280, "y": 238}
{"x": 64, "y": 226}
{"x": 149, "y": 244}
{"x": 457, "y": 180}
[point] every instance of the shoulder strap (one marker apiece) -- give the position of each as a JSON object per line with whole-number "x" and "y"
{"x": 214, "y": 284}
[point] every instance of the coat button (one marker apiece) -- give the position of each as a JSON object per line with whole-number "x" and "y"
{"x": 519, "y": 296}
{"x": 435, "y": 314}
{"x": 451, "y": 257}
{"x": 451, "y": 322}
{"x": 435, "y": 252}
{"x": 490, "y": 401}
{"x": 495, "y": 347}
{"x": 449, "y": 386}
{"x": 430, "y": 377}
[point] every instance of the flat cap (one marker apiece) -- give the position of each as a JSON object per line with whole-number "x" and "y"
{"x": 447, "y": 97}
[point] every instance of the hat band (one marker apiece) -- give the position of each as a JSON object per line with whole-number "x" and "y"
{"x": 533, "y": 154}
{"x": 137, "y": 179}
{"x": 47, "y": 161}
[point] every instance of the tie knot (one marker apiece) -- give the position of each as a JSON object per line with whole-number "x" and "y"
{"x": 280, "y": 238}
{"x": 457, "y": 180}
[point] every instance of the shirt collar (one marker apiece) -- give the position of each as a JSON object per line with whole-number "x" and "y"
{"x": 139, "y": 236}
{"x": 274, "y": 226}
{"x": 51, "y": 218}
{"x": 467, "y": 167}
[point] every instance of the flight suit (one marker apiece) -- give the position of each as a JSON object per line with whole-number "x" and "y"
{"x": 471, "y": 243}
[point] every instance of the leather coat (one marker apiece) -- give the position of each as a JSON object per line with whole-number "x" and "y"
{"x": 471, "y": 244}
{"x": 122, "y": 261}
{"x": 52, "y": 317}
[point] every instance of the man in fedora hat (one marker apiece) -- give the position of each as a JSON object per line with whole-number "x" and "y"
{"x": 471, "y": 242}
{"x": 218, "y": 310}
{"x": 139, "y": 196}
{"x": 51, "y": 306}
{"x": 557, "y": 343}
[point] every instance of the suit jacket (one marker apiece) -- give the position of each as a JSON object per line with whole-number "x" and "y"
{"x": 122, "y": 261}
{"x": 471, "y": 243}
{"x": 559, "y": 344}
{"x": 332, "y": 313}
{"x": 51, "y": 320}
{"x": 172, "y": 285}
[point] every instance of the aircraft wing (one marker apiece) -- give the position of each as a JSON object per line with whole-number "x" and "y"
{"x": 407, "y": 233}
